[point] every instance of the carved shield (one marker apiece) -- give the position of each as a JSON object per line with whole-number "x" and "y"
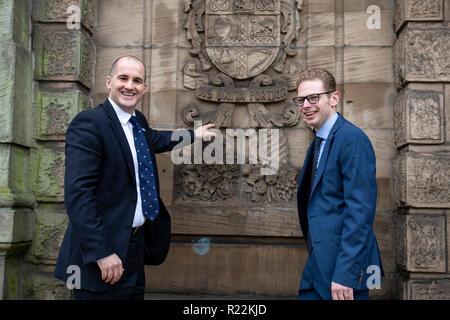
{"x": 242, "y": 36}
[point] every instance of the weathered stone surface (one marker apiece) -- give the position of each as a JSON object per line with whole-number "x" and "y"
{"x": 63, "y": 55}
{"x": 58, "y": 11}
{"x": 15, "y": 94}
{"x": 420, "y": 241}
{"x": 419, "y": 115}
{"x": 224, "y": 268}
{"x": 421, "y": 54}
{"x": 14, "y": 17}
{"x": 111, "y": 31}
{"x": 427, "y": 289}
{"x": 369, "y": 105}
{"x": 321, "y": 29}
{"x": 421, "y": 180}
{"x": 40, "y": 284}
{"x": 15, "y": 225}
{"x": 50, "y": 225}
{"x": 447, "y": 112}
{"x": 14, "y": 186}
{"x": 357, "y": 20}
{"x": 55, "y": 109}
{"x": 47, "y": 172}
{"x": 417, "y": 10}
{"x": 243, "y": 221}
{"x": 363, "y": 64}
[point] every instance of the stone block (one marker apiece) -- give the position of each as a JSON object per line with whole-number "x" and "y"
{"x": 63, "y": 55}
{"x": 363, "y": 64}
{"x": 420, "y": 241}
{"x": 322, "y": 58}
{"x": 14, "y": 187}
{"x": 321, "y": 29}
{"x": 419, "y": 115}
{"x": 421, "y": 54}
{"x": 427, "y": 289}
{"x": 164, "y": 67}
{"x": 236, "y": 221}
{"x": 447, "y": 112}
{"x": 414, "y": 10}
{"x": 39, "y": 284}
{"x": 319, "y": 6}
{"x": 58, "y": 11}
{"x": 357, "y": 22}
{"x": 49, "y": 228}
{"x": 229, "y": 268}
{"x": 384, "y": 231}
{"x": 14, "y": 22}
{"x": 421, "y": 180}
{"x": 15, "y": 94}
{"x": 55, "y": 109}
{"x": 165, "y": 23}
{"x": 369, "y": 105}
{"x": 16, "y": 225}
{"x": 385, "y": 197}
{"x": 47, "y": 174}
{"x": 112, "y": 31}
{"x": 162, "y": 108}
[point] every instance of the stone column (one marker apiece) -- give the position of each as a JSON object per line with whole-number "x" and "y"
{"x": 63, "y": 74}
{"x": 16, "y": 199}
{"x": 422, "y": 164}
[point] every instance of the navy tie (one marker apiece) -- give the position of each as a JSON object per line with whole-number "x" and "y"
{"x": 317, "y": 141}
{"x": 147, "y": 181}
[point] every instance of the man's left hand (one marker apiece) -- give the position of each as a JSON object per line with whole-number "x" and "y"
{"x": 203, "y": 132}
{"x": 340, "y": 292}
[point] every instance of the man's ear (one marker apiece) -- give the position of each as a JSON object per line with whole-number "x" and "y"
{"x": 335, "y": 98}
{"x": 108, "y": 82}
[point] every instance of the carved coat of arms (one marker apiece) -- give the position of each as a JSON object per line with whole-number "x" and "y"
{"x": 241, "y": 52}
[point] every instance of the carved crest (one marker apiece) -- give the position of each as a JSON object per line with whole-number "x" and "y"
{"x": 242, "y": 37}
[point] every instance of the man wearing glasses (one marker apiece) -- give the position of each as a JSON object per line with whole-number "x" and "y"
{"x": 336, "y": 197}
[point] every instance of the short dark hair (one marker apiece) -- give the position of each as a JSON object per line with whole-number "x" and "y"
{"x": 113, "y": 66}
{"x": 329, "y": 82}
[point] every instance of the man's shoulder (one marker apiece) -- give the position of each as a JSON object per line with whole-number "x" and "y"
{"x": 350, "y": 131}
{"x": 92, "y": 114}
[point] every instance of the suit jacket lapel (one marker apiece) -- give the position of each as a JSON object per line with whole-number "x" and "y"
{"x": 120, "y": 136}
{"x": 326, "y": 150}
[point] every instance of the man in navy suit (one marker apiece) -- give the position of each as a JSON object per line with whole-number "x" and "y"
{"x": 114, "y": 226}
{"x": 336, "y": 197}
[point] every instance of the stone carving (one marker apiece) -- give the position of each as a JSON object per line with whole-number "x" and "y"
{"x": 422, "y": 54}
{"x": 429, "y": 290}
{"x": 421, "y": 180}
{"x": 279, "y": 187}
{"x": 207, "y": 182}
{"x": 241, "y": 51}
{"x": 419, "y": 117}
{"x": 411, "y": 10}
{"x": 427, "y": 243}
{"x": 420, "y": 243}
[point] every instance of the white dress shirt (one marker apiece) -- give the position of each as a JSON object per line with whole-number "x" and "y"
{"x": 127, "y": 127}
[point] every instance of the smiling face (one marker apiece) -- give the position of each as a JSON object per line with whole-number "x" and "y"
{"x": 126, "y": 83}
{"x": 315, "y": 115}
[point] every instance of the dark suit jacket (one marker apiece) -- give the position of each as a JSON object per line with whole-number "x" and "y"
{"x": 340, "y": 209}
{"x": 100, "y": 195}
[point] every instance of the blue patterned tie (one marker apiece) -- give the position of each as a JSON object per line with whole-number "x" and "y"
{"x": 317, "y": 141}
{"x": 147, "y": 182}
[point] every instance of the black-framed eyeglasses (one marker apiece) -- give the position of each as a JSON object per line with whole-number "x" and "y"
{"x": 312, "y": 98}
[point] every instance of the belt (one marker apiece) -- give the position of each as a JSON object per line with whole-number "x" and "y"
{"x": 135, "y": 231}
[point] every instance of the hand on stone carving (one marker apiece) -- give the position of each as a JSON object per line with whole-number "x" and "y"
{"x": 203, "y": 132}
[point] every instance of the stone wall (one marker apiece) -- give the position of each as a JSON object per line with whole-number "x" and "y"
{"x": 240, "y": 234}
{"x": 421, "y": 165}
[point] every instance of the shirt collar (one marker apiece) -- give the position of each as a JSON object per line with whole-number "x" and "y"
{"x": 123, "y": 116}
{"x": 324, "y": 131}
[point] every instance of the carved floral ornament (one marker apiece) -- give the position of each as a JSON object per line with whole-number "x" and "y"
{"x": 241, "y": 56}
